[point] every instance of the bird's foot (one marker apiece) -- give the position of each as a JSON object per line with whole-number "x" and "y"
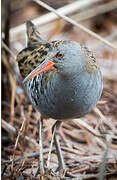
{"x": 62, "y": 170}
{"x": 62, "y": 167}
{"x": 41, "y": 167}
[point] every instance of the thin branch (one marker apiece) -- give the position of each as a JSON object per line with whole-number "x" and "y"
{"x": 81, "y": 123}
{"x": 75, "y": 23}
{"x": 18, "y": 77}
{"x": 103, "y": 118}
{"x": 8, "y": 50}
{"x": 13, "y": 92}
{"x": 49, "y": 17}
{"x": 28, "y": 118}
{"x": 7, "y": 8}
{"x": 8, "y": 127}
{"x": 111, "y": 37}
{"x": 41, "y": 146}
{"x": 29, "y": 156}
{"x": 100, "y": 9}
{"x": 19, "y": 134}
{"x": 102, "y": 168}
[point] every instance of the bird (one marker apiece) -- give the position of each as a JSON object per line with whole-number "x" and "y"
{"x": 62, "y": 78}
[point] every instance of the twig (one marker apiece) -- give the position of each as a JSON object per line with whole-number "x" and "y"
{"x": 75, "y": 23}
{"x": 7, "y": 20}
{"x": 100, "y": 9}
{"x": 80, "y": 170}
{"x": 103, "y": 163}
{"x": 73, "y": 151}
{"x": 84, "y": 125}
{"x": 19, "y": 134}
{"x": 28, "y": 118}
{"x": 32, "y": 141}
{"x": 19, "y": 79}
{"x": 100, "y": 143}
{"x": 109, "y": 38}
{"x": 41, "y": 146}
{"x": 8, "y": 50}
{"x": 91, "y": 12}
{"x": 29, "y": 156}
{"x": 49, "y": 17}
{"x": 102, "y": 102}
{"x": 99, "y": 113}
{"x": 13, "y": 87}
{"x": 22, "y": 165}
{"x": 9, "y": 128}
{"x": 7, "y": 65}
{"x": 3, "y": 171}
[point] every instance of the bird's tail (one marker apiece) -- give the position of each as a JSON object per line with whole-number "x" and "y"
{"x": 33, "y": 35}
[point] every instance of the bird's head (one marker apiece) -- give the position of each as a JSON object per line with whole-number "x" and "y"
{"x": 67, "y": 57}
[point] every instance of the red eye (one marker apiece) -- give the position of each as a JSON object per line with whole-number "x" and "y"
{"x": 59, "y": 54}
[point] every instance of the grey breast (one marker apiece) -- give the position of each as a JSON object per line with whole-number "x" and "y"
{"x": 66, "y": 98}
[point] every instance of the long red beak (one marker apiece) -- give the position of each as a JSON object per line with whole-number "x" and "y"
{"x": 41, "y": 68}
{"x": 48, "y": 66}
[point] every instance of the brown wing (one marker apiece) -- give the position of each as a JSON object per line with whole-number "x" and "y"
{"x": 91, "y": 62}
{"x": 29, "y": 58}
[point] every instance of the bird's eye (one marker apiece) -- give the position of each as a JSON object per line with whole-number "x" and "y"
{"x": 59, "y": 54}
